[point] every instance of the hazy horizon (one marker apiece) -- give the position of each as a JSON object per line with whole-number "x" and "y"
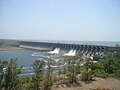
{"x": 67, "y": 20}
{"x": 57, "y": 40}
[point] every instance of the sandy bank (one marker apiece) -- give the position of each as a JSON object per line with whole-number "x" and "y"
{"x": 9, "y": 48}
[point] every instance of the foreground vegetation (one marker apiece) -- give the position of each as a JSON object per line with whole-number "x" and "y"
{"x": 43, "y": 79}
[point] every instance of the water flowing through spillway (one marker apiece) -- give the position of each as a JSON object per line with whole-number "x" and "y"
{"x": 72, "y": 52}
{"x": 55, "y": 51}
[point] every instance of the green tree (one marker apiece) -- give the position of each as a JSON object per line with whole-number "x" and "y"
{"x": 73, "y": 67}
{"x": 64, "y": 71}
{"x": 11, "y": 80}
{"x": 2, "y": 70}
{"x": 87, "y": 73}
{"x": 111, "y": 64}
{"x": 48, "y": 78}
{"x": 72, "y": 72}
{"x": 37, "y": 78}
{"x": 58, "y": 63}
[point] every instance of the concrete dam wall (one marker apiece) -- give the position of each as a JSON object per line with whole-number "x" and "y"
{"x": 67, "y": 47}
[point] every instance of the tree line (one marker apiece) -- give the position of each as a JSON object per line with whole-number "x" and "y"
{"x": 74, "y": 70}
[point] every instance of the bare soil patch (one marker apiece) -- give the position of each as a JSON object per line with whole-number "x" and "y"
{"x": 111, "y": 83}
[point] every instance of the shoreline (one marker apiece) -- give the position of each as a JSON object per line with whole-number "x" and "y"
{"x": 5, "y": 48}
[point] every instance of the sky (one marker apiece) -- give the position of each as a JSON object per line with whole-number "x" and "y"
{"x": 75, "y": 20}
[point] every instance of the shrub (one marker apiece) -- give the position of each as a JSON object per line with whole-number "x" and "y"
{"x": 100, "y": 73}
{"x": 85, "y": 76}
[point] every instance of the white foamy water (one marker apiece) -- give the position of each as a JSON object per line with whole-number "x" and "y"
{"x": 55, "y": 51}
{"x": 26, "y": 74}
{"x": 70, "y": 53}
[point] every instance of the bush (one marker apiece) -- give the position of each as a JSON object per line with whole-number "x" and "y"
{"x": 100, "y": 73}
{"x": 111, "y": 64}
{"x": 117, "y": 73}
{"x": 86, "y": 76}
{"x": 48, "y": 81}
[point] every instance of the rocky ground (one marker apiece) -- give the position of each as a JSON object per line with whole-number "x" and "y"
{"x": 111, "y": 83}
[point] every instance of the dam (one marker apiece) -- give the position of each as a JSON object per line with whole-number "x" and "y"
{"x": 56, "y": 47}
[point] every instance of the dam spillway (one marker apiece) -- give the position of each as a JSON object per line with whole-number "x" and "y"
{"x": 50, "y": 46}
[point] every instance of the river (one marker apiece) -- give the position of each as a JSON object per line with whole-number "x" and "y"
{"x": 26, "y": 57}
